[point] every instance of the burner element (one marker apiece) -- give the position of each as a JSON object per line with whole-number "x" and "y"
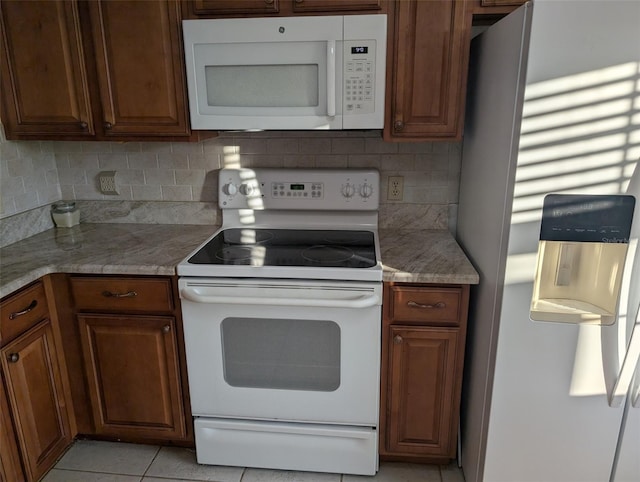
{"x": 240, "y": 254}
{"x": 323, "y": 253}
{"x": 247, "y": 236}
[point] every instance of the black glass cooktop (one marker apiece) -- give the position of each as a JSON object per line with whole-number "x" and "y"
{"x": 289, "y": 247}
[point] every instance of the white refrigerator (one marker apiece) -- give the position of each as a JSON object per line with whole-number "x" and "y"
{"x": 553, "y": 107}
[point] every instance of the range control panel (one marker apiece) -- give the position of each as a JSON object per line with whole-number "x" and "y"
{"x": 299, "y": 189}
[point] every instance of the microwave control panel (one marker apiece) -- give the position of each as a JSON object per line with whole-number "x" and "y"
{"x": 359, "y": 76}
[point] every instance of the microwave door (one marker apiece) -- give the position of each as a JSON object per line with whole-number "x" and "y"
{"x": 286, "y": 85}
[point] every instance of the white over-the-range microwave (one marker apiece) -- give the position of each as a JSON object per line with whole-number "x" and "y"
{"x": 323, "y": 72}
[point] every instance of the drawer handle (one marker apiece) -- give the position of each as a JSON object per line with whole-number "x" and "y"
{"x": 397, "y": 340}
{"x": 13, "y": 357}
{"x": 438, "y": 305}
{"x": 29, "y": 308}
{"x": 166, "y": 328}
{"x": 128, "y": 294}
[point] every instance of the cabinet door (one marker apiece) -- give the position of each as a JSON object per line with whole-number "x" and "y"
{"x": 131, "y": 364}
{"x": 44, "y": 87}
{"x": 422, "y": 381}
{"x": 10, "y": 470}
{"x": 428, "y": 74}
{"x": 139, "y": 60}
{"x": 34, "y": 388}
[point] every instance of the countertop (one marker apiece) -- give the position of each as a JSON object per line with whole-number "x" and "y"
{"x": 426, "y": 256}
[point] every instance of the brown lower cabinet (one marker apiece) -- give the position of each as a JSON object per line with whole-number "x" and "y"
{"x": 130, "y": 338}
{"x": 10, "y": 467}
{"x": 133, "y": 372}
{"x": 34, "y": 393}
{"x": 424, "y": 329}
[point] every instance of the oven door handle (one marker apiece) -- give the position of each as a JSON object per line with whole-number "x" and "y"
{"x": 364, "y": 301}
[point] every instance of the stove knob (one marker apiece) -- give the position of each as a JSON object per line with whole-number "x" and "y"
{"x": 348, "y": 190}
{"x": 229, "y": 189}
{"x": 366, "y": 190}
{"x": 246, "y": 189}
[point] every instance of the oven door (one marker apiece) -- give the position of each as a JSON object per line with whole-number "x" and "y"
{"x": 283, "y": 350}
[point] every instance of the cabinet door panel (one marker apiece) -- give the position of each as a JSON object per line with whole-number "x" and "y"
{"x": 422, "y": 372}
{"x": 140, "y": 67}
{"x": 30, "y": 364}
{"x": 122, "y": 294}
{"x": 10, "y": 470}
{"x": 430, "y": 64}
{"x": 133, "y": 373}
{"x": 22, "y": 311}
{"x": 45, "y": 88}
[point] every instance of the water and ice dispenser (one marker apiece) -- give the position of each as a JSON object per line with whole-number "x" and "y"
{"x": 581, "y": 258}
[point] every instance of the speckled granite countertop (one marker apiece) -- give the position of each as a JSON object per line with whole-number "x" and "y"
{"x": 424, "y": 256}
{"x": 99, "y": 248}
{"x": 429, "y": 256}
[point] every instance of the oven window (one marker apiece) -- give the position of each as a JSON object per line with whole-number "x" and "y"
{"x": 262, "y": 85}
{"x": 281, "y": 354}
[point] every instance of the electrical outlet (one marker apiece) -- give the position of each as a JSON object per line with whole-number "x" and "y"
{"x": 107, "y": 180}
{"x": 395, "y": 189}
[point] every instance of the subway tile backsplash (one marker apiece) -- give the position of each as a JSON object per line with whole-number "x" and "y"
{"x": 161, "y": 175}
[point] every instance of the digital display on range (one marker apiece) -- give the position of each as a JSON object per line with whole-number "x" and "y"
{"x": 297, "y": 187}
{"x": 359, "y": 50}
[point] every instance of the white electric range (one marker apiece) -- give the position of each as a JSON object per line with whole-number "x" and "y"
{"x": 282, "y": 322}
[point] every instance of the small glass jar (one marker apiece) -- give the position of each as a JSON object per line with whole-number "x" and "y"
{"x": 65, "y": 214}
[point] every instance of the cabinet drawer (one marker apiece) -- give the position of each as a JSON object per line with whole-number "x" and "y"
{"x": 122, "y": 294}
{"x": 21, "y": 311}
{"x": 436, "y": 305}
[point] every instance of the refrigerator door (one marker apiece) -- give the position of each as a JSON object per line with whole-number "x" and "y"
{"x": 535, "y": 395}
{"x": 627, "y": 464}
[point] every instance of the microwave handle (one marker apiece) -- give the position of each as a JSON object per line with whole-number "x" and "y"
{"x": 331, "y": 78}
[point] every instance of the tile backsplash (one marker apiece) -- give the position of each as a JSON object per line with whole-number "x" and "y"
{"x": 151, "y": 174}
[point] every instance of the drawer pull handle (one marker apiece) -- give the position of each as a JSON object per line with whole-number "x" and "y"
{"x": 166, "y": 329}
{"x": 438, "y": 305}
{"x": 128, "y": 294}
{"x": 13, "y": 357}
{"x": 397, "y": 340}
{"x": 29, "y": 308}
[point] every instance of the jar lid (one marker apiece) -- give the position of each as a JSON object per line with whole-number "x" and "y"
{"x": 64, "y": 206}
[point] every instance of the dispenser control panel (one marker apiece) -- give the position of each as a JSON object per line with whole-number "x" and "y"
{"x": 587, "y": 218}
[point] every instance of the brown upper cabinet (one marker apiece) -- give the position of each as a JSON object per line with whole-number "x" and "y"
{"x": 427, "y": 70}
{"x": 494, "y": 7}
{"x": 280, "y": 7}
{"x": 93, "y": 70}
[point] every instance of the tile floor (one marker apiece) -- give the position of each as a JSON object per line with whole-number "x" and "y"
{"x": 96, "y": 461}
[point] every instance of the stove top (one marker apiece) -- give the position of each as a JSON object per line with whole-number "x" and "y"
{"x": 289, "y": 247}
{"x": 293, "y": 223}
